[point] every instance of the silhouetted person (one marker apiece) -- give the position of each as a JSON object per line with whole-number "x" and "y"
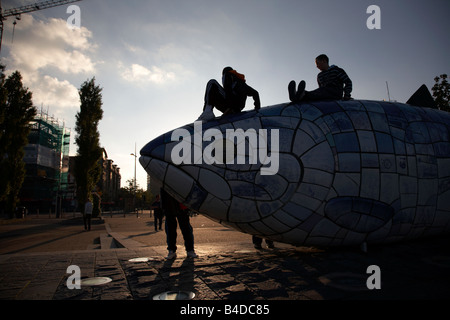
{"x": 230, "y": 98}
{"x": 175, "y": 213}
{"x": 158, "y": 213}
{"x": 334, "y": 84}
{"x": 87, "y": 214}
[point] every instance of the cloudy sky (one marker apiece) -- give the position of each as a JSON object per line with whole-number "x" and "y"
{"x": 154, "y": 58}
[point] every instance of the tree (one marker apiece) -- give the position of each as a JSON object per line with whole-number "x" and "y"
{"x": 129, "y": 192}
{"x": 16, "y": 113}
{"x": 131, "y": 187}
{"x": 441, "y": 92}
{"x": 87, "y": 165}
{"x": 96, "y": 204}
{"x": 4, "y": 182}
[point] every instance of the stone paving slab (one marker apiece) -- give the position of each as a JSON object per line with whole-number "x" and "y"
{"x": 419, "y": 271}
{"x": 229, "y": 271}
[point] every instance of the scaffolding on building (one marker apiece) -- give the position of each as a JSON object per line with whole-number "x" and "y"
{"x": 46, "y": 185}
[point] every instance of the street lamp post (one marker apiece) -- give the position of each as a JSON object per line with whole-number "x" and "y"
{"x": 134, "y": 191}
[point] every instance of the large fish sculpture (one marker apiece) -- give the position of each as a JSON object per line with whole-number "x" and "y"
{"x": 325, "y": 173}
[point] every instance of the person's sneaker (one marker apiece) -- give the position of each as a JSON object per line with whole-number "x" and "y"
{"x": 207, "y": 114}
{"x": 291, "y": 90}
{"x": 192, "y": 254}
{"x": 300, "y": 91}
{"x": 171, "y": 255}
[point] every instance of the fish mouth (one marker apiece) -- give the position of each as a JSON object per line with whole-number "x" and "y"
{"x": 177, "y": 182}
{"x": 200, "y": 188}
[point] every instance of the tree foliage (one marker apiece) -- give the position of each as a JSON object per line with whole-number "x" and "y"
{"x": 16, "y": 113}
{"x": 87, "y": 165}
{"x": 142, "y": 198}
{"x": 441, "y": 92}
{"x": 3, "y": 98}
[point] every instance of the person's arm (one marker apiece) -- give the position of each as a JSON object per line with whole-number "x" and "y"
{"x": 348, "y": 85}
{"x": 227, "y": 81}
{"x": 255, "y": 95}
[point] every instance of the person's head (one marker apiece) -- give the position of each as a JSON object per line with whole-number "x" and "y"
{"x": 226, "y": 69}
{"x": 322, "y": 62}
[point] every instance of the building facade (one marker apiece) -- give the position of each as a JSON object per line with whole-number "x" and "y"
{"x": 49, "y": 185}
{"x": 107, "y": 187}
{"x": 109, "y": 183}
{"x": 45, "y": 187}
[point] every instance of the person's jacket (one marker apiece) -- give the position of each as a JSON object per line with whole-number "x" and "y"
{"x": 237, "y": 91}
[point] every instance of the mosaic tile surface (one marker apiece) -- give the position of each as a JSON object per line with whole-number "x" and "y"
{"x": 349, "y": 172}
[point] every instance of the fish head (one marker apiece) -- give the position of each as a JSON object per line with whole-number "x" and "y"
{"x": 237, "y": 169}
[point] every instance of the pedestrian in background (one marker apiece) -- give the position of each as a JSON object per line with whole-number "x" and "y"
{"x": 87, "y": 214}
{"x": 157, "y": 213}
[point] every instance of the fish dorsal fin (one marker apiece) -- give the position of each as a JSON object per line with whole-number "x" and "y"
{"x": 422, "y": 98}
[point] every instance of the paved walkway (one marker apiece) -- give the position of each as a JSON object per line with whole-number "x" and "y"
{"x": 35, "y": 254}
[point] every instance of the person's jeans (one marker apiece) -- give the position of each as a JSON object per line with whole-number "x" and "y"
{"x": 172, "y": 220}
{"x": 323, "y": 93}
{"x": 87, "y": 221}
